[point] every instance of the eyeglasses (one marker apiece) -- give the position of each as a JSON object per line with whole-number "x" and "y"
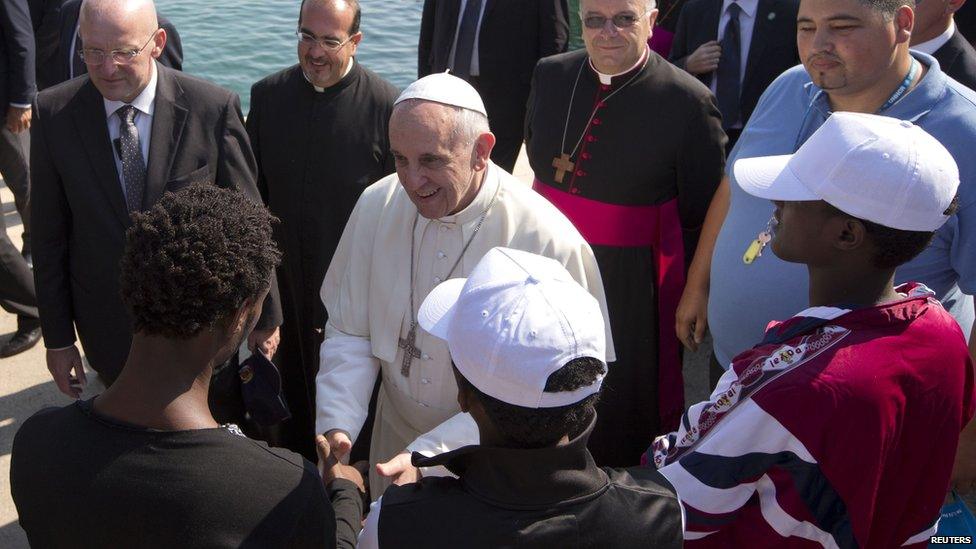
{"x": 327, "y": 44}
{"x": 121, "y": 57}
{"x": 621, "y": 20}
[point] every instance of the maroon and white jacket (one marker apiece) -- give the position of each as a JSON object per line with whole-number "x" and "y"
{"x": 838, "y": 430}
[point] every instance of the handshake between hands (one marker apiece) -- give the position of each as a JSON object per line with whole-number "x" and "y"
{"x": 333, "y": 449}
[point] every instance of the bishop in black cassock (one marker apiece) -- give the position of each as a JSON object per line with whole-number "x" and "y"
{"x": 317, "y": 149}
{"x": 634, "y": 167}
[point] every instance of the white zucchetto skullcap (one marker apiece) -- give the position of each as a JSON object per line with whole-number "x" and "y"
{"x": 446, "y": 89}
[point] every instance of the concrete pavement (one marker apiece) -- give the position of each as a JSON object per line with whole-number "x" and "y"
{"x": 25, "y": 387}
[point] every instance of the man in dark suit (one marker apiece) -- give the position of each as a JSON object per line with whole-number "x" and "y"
{"x": 17, "y": 91}
{"x": 69, "y": 43}
{"x": 935, "y": 33}
{"x": 494, "y": 45}
{"x": 110, "y": 144}
{"x": 320, "y": 132}
{"x": 737, "y": 48}
{"x": 46, "y": 19}
{"x": 965, "y": 19}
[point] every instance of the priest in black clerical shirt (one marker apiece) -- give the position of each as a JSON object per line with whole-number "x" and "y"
{"x": 319, "y": 132}
{"x": 631, "y": 149}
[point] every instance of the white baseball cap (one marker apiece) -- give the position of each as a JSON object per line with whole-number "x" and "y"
{"x": 446, "y": 89}
{"x": 881, "y": 169}
{"x": 514, "y": 321}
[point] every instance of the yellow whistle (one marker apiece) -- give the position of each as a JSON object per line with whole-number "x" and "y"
{"x": 752, "y": 252}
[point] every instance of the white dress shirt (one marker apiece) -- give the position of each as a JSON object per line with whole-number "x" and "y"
{"x": 933, "y": 45}
{"x": 475, "y": 68}
{"x": 747, "y": 21}
{"x": 145, "y": 104}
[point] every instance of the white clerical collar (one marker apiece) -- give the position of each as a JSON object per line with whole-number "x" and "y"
{"x": 607, "y": 79}
{"x": 345, "y": 74}
{"x": 145, "y": 102}
{"x": 933, "y": 45}
{"x": 748, "y": 7}
{"x": 489, "y": 186}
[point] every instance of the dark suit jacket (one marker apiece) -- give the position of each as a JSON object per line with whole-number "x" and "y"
{"x": 46, "y": 18}
{"x": 171, "y": 57}
{"x": 965, "y": 18}
{"x": 17, "y": 58}
{"x": 515, "y": 34}
{"x": 772, "y": 50}
{"x": 198, "y": 136}
{"x": 958, "y": 59}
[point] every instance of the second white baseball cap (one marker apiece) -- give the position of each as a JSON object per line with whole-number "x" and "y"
{"x": 881, "y": 169}
{"x": 514, "y": 321}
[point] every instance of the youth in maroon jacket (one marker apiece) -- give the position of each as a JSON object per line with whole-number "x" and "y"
{"x": 838, "y": 430}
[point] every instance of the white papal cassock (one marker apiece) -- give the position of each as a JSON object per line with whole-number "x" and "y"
{"x": 366, "y": 292}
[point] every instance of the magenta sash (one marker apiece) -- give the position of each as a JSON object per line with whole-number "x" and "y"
{"x": 659, "y": 228}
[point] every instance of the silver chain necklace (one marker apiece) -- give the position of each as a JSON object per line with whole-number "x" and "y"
{"x": 572, "y": 96}
{"x": 409, "y": 343}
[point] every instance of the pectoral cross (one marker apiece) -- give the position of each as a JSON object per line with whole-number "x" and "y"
{"x": 562, "y": 164}
{"x": 410, "y": 350}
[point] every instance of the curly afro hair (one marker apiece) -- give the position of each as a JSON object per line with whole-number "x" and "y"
{"x": 540, "y": 427}
{"x": 195, "y": 258}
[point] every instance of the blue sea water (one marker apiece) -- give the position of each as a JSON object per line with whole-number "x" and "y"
{"x": 235, "y": 43}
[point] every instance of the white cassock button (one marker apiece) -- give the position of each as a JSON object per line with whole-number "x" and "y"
{"x": 437, "y": 280}
{"x": 444, "y": 228}
{"x": 441, "y": 255}
{"x": 425, "y": 381}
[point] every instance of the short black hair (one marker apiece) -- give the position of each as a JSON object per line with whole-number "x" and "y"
{"x": 194, "y": 258}
{"x": 895, "y": 247}
{"x": 887, "y": 8}
{"x": 524, "y": 427}
{"x": 357, "y": 16}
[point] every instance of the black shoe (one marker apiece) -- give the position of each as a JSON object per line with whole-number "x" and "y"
{"x": 23, "y": 339}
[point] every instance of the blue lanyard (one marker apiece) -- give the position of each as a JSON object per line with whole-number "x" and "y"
{"x": 804, "y": 133}
{"x": 905, "y": 84}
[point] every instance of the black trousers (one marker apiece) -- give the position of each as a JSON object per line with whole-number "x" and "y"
{"x": 15, "y": 169}
{"x": 17, "y": 294}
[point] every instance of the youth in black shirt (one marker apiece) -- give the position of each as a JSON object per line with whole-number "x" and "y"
{"x": 145, "y": 464}
{"x": 84, "y": 480}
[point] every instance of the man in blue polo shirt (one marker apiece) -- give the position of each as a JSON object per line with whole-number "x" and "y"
{"x": 855, "y": 58}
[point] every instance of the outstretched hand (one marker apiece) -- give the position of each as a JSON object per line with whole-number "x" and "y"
{"x": 400, "y": 469}
{"x": 330, "y": 468}
{"x": 265, "y": 341}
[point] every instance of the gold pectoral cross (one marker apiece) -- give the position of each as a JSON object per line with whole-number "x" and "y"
{"x": 410, "y": 350}
{"x": 562, "y": 164}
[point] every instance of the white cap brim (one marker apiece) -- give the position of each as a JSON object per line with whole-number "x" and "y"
{"x": 438, "y": 308}
{"x": 770, "y": 177}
